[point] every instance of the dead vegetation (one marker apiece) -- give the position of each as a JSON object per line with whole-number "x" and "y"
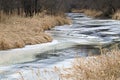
{"x": 98, "y": 14}
{"x": 16, "y": 31}
{"x": 93, "y": 13}
{"x": 103, "y": 67}
{"x": 116, "y": 15}
{"x": 98, "y": 8}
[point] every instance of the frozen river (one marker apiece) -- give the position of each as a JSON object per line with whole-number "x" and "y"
{"x": 82, "y": 38}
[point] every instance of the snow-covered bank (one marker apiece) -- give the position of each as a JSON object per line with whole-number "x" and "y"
{"x": 63, "y": 59}
{"x": 29, "y": 52}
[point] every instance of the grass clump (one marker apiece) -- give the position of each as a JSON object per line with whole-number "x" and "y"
{"x": 103, "y": 67}
{"x": 93, "y": 13}
{"x": 116, "y": 15}
{"x": 89, "y": 12}
{"x": 16, "y": 31}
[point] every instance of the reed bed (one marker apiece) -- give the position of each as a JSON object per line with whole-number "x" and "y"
{"x": 89, "y": 12}
{"x": 93, "y": 13}
{"x": 16, "y": 31}
{"x": 103, "y": 67}
{"x": 116, "y": 15}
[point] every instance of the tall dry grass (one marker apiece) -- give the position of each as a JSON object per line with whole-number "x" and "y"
{"x": 16, "y": 32}
{"x": 116, "y": 15}
{"x": 98, "y": 14}
{"x": 89, "y": 12}
{"x": 103, "y": 67}
{"x": 78, "y": 10}
{"x": 93, "y": 13}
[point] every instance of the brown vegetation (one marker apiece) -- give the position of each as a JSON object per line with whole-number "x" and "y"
{"x": 19, "y": 31}
{"x": 103, "y": 67}
{"x": 98, "y": 8}
{"x": 22, "y": 22}
{"x": 93, "y": 13}
{"x": 116, "y": 15}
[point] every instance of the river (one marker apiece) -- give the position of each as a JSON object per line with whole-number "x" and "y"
{"x": 82, "y": 38}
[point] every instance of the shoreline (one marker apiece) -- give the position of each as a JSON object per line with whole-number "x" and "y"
{"x": 98, "y": 14}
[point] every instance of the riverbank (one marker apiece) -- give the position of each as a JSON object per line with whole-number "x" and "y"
{"x": 16, "y": 32}
{"x": 102, "y": 67}
{"x": 99, "y": 14}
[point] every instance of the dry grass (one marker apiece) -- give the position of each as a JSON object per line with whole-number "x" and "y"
{"x": 16, "y": 32}
{"x": 116, "y": 15}
{"x": 93, "y": 13}
{"x": 40, "y": 74}
{"x": 78, "y": 10}
{"x": 103, "y": 67}
{"x": 98, "y": 14}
